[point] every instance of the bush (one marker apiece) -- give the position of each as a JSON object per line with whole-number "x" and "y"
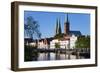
{"x": 30, "y": 53}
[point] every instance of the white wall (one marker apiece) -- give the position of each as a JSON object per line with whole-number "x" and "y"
{"x": 5, "y": 40}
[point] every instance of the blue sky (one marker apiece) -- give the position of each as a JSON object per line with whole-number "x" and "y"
{"x": 47, "y": 21}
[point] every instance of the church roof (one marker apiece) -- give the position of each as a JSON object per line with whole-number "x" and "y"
{"x": 76, "y": 33}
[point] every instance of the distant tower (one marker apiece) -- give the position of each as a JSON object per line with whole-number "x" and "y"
{"x": 56, "y": 31}
{"x": 66, "y": 26}
{"x": 58, "y": 27}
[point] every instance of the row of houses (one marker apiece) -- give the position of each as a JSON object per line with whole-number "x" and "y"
{"x": 68, "y": 42}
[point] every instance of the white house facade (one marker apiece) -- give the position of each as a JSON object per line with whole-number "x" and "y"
{"x": 66, "y": 43}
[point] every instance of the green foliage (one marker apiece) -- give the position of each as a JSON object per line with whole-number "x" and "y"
{"x": 30, "y": 53}
{"x": 32, "y": 27}
{"x": 58, "y": 36}
{"x": 57, "y": 45}
{"x": 83, "y": 42}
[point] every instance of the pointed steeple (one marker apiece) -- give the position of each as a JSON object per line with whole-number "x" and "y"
{"x": 66, "y": 18}
{"x": 68, "y": 22}
{"x": 59, "y": 27}
{"x": 66, "y": 25}
{"x": 56, "y": 27}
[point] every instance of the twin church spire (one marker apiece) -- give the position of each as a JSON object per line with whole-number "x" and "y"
{"x": 58, "y": 27}
{"x": 66, "y": 26}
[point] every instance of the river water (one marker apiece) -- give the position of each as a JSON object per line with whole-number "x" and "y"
{"x": 53, "y": 56}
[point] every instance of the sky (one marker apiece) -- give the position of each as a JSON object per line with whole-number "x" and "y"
{"x": 47, "y": 21}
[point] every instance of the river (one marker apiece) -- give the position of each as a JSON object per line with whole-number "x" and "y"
{"x": 53, "y": 56}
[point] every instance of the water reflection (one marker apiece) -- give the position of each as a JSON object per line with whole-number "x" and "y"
{"x": 60, "y": 54}
{"x": 53, "y": 56}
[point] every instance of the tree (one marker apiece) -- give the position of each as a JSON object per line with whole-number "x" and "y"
{"x": 58, "y": 36}
{"x": 32, "y": 27}
{"x": 83, "y": 42}
{"x": 57, "y": 45}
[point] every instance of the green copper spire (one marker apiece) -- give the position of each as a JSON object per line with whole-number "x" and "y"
{"x": 59, "y": 27}
{"x": 56, "y": 27}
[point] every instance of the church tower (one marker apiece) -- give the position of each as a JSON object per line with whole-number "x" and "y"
{"x": 58, "y": 27}
{"x": 66, "y": 26}
{"x": 56, "y": 31}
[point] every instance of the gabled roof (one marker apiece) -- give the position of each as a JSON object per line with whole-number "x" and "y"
{"x": 76, "y": 33}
